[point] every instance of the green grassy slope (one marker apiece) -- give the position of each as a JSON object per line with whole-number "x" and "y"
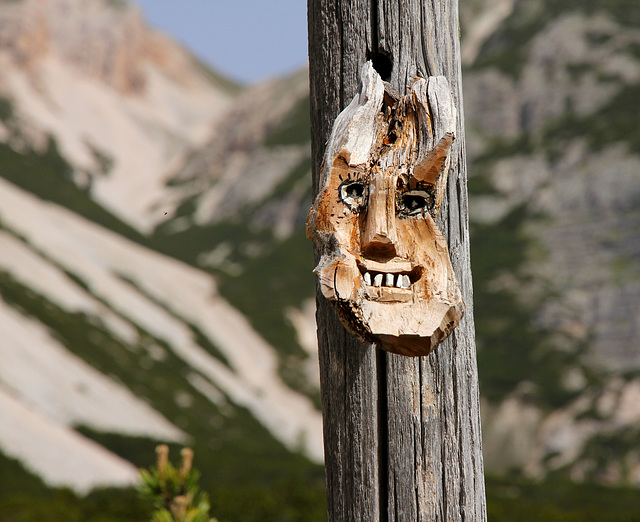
{"x": 559, "y": 501}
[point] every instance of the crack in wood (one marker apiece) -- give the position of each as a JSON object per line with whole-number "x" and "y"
{"x": 361, "y": 457}
{"x": 383, "y": 434}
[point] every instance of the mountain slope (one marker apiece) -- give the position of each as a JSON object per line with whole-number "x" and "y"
{"x": 122, "y": 101}
{"x": 553, "y": 163}
{"x": 109, "y": 346}
{"x": 156, "y": 280}
{"x": 139, "y": 302}
{"x": 242, "y": 202}
{"x": 549, "y": 90}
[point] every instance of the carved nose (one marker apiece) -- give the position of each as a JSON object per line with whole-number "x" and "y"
{"x": 379, "y": 234}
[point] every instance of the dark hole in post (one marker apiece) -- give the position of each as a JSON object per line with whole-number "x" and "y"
{"x": 391, "y": 138}
{"x": 382, "y": 64}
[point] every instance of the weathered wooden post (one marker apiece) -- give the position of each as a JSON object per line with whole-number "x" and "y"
{"x": 402, "y": 434}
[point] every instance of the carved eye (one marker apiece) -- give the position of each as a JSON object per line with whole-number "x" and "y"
{"x": 414, "y": 202}
{"x": 353, "y": 194}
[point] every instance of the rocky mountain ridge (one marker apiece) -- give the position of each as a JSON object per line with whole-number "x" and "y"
{"x": 107, "y": 343}
{"x": 146, "y": 207}
{"x": 122, "y": 101}
{"x": 554, "y": 162}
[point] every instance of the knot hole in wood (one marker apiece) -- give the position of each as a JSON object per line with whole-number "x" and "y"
{"x": 382, "y": 63}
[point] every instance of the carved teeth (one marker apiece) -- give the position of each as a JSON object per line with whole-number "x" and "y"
{"x": 387, "y": 280}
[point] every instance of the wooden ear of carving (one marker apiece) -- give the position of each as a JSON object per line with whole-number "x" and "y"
{"x": 437, "y": 123}
{"x": 353, "y": 136}
{"x": 432, "y": 169}
{"x": 355, "y": 130}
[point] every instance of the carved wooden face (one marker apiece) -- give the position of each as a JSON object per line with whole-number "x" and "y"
{"x": 385, "y": 263}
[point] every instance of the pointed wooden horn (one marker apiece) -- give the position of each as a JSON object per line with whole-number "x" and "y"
{"x": 431, "y": 167}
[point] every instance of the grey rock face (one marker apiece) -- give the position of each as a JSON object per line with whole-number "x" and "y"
{"x": 547, "y": 99}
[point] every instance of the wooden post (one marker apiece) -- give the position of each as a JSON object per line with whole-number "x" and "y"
{"x": 402, "y": 435}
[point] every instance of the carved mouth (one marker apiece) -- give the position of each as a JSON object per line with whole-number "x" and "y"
{"x": 399, "y": 274}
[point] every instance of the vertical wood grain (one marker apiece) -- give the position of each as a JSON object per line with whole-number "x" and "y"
{"x": 402, "y": 435}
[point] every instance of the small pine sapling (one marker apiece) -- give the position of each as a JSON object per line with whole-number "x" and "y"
{"x": 174, "y": 492}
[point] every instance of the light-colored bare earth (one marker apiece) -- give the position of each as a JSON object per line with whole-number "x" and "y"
{"x": 165, "y": 293}
{"x": 57, "y": 453}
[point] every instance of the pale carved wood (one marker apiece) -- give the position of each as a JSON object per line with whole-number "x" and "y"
{"x": 402, "y": 435}
{"x": 384, "y": 262}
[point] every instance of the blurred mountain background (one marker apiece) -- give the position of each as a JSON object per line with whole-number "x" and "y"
{"x": 156, "y": 284}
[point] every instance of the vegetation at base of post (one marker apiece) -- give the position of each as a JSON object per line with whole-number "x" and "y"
{"x": 174, "y": 492}
{"x": 249, "y": 475}
{"x": 511, "y": 498}
{"x": 24, "y": 497}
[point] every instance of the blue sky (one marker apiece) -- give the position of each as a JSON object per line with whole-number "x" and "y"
{"x": 246, "y": 40}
